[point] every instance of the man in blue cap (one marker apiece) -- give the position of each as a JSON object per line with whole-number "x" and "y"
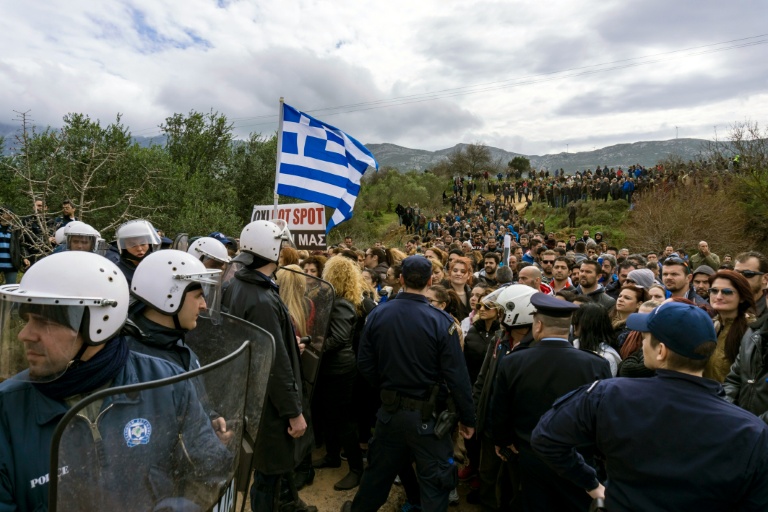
{"x": 670, "y": 442}
{"x": 410, "y": 351}
{"x": 528, "y": 382}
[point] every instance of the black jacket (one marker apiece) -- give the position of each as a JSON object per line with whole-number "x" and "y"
{"x": 476, "y": 344}
{"x": 338, "y": 356}
{"x": 745, "y": 385}
{"x": 253, "y": 296}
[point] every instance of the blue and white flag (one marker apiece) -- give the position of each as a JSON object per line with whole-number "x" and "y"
{"x": 321, "y": 164}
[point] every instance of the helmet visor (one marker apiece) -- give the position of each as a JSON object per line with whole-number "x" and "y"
{"x": 210, "y": 281}
{"x": 137, "y": 232}
{"x": 285, "y": 233}
{"x": 39, "y": 341}
{"x": 77, "y": 242}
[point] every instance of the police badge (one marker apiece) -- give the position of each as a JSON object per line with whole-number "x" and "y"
{"x": 137, "y": 431}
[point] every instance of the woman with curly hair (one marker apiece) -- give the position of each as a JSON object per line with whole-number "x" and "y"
{"x": 460, "y": 280}
{"x": 336, "y": 382}
{"x": 730, "y": 296}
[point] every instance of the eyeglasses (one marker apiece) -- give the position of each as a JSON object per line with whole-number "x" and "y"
{"x": 547, "y": 262}
{"x": 750, "y": 273}
{"x": 480, "y": 306}
{"x": 725, "y": 291}
{"x": 435, "y": 301}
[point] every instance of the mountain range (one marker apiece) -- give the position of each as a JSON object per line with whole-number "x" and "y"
{"x": 404, "y": 159}
{"x": 645, "y": 153}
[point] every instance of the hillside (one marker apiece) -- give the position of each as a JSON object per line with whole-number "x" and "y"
{"x": 645, "y": 153}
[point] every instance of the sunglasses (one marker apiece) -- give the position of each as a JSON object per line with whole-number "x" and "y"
{"x": 750, "y": 273}
{"x": 725, "y": 291}
{"x": 482, "y": 306}
{"x": 547, "y": 262}
{"x": 675, "y": 261}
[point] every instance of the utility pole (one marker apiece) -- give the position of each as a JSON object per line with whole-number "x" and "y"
{"x": 566, "y": 148}
{"x": 675, "y": 131}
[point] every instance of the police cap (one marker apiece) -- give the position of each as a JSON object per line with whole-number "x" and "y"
{"x": 417, "y": 265}
{"x": 551, "y": 306}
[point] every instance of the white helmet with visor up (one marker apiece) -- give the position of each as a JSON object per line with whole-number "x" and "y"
{"x": 64, "y": 303}
{"x": 207, "y": 248}
{"x": 264, "y": 239}
{"x": 163, "y": 279}
{"x": 515, "y": 304}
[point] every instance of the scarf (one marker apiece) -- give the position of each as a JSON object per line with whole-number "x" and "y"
{"x": 86, "y": 376}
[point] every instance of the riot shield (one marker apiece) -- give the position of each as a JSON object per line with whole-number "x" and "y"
{"x": 319, "y": 297}
{"x": 212, "y": 342}
{"x": 155, "y": 445}
{"x": 181, "y": 242}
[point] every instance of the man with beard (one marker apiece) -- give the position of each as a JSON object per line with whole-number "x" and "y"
{"x": 701, "y": 280}
{"x": 488, "y": 274}
{"x": 588, "y": 285}
{"x": 754, "y": 266}
{"x": 677, "y": 279}
{"x": 625, "y": 267}
{"x": 547, "y": 263}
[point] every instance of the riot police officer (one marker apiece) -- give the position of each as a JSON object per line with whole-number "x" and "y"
{"x": 135, "y": 240}
{"x": 252, "y": 295}
{"x": 68, "y": 324}
{"x": 410, "y": 351}
{"x": 670, "y": 442}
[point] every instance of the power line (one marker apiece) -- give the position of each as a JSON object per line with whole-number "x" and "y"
{"x": 733, "y": 44}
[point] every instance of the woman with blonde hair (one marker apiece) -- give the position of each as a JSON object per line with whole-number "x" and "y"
{"x": 337, "y": 376}
{"x": 438, "y": 274}
{"x": 293, "y": 289}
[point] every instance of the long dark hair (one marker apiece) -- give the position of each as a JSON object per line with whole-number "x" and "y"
{"x": 594, "y": 327}
{"x": 746, "y": 301}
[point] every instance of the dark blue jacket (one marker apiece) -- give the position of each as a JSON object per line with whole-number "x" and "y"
{"x": 670, "y": 442}
{"x": 140, "y": 475}
{"x": 408, "y": 346}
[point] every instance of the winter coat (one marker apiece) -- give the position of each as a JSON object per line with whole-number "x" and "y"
{"x": 253, "y": 297}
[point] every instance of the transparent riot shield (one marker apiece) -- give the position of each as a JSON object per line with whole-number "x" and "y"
{"x": 181, "y": 242}
{"x": 157, "y": 445}
{"x": 211, "y": 342}
{"x": 319, "y": 297}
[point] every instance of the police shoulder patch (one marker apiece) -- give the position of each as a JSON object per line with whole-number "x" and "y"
{"x": 136, "y": 432}
{"x": 452, "y": 328}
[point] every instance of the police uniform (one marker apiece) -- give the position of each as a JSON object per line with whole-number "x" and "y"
{"x": 670, "y": 442}
{"x": 137, "y": 473}
{"x": 406, "y": 348}
{"x": 528, "y": 382}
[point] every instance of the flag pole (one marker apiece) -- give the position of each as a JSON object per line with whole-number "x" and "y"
{"x": 279, "y": 151}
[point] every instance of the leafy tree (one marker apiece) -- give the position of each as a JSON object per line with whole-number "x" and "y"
{"x": 520, "y": 164}
{"x": 198, "y": 143}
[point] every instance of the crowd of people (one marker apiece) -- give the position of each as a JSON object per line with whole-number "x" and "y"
{"x": 481, "y": 351}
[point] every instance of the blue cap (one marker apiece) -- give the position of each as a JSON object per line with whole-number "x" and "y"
{"x": 221, "y": 238}
{"x": 552, "y": 306}
{"x": 417, "y": 265}
{"x": 681, "y": 327}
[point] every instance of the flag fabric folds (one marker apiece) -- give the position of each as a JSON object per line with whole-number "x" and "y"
{"x": 320, "y": 163}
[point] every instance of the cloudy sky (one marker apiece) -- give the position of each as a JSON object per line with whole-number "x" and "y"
{"x": 529, "y": 77}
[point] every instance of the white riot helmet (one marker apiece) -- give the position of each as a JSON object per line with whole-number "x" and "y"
{"x": 261, "y": 238}
{"x": 61, "y": 235}
{"x": 81, "y": 237}
{"x": 515, "y": 303}
{"x": 207, "y": 247}
{"x": 137, "y": 232}
{"x": 60, "y": 297}
{"x": 163, "y": 278}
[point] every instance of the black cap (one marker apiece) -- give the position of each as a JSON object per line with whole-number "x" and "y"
{"x": 551, "y": 306}
{"x": 417, "y": 265}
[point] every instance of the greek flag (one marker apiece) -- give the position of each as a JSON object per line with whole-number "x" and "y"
{"x": 320, "y": 163}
